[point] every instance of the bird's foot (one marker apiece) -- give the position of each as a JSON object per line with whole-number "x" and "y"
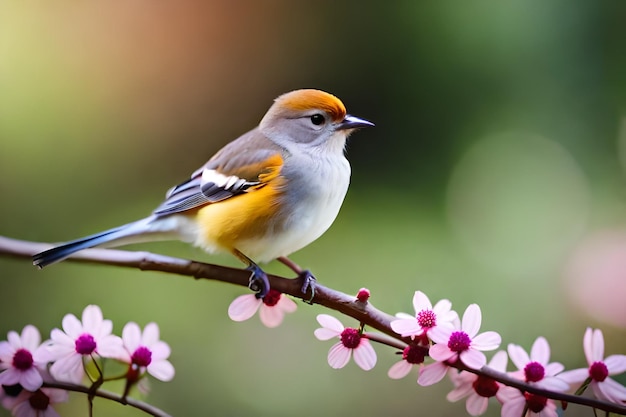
{"x": 258, "y": 281}
{"x": 308, "y": 282}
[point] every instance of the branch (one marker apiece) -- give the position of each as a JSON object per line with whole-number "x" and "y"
{"x": 140, "y": 405}
{"x": 365, "y": 313}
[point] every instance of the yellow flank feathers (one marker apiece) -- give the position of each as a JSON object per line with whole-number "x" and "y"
{"x": 245, "y": 216}
{"x": 248, "y": 215}
{"x": 314, "y": 99}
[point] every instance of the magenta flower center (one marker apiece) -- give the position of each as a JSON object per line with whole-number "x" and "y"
{"x": 272, "y": 297}
{"x": 85, "y": 344}
{"x": 485, "y": 387}
{"x": 39, "y": 401}
{"x": 427, "y": 319}
{"x": 535, "y": 403}
{"x": 534, "y": 372}
{"x": 22, "y": 359}
{"x": 459, "y": 341}
{"x": 414, "y": 354}
{"x": 350, "y": 338}
{"x": 598, "y": 371}
{"x": 142, "y": 356}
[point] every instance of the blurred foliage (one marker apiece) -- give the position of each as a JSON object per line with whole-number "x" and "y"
{"x": 499, "y": 149}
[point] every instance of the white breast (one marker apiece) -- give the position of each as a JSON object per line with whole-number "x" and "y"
{"x": 316, "y": 190}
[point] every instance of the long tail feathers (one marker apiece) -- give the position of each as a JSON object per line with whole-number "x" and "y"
{"x": 129, "y": 233}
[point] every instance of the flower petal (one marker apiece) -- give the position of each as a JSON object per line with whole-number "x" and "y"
{"x": 14, "y": 340}
{"x": 487, "y": 341}
{"x": 330, "y": 322}
{"x": 286, "y": 304}
{"x": 58, "y": 337}
{"x": 160, "y": 350}
{"x": 442, "y": 308}
{"x": 540, "y": 351}
{"x": 92, "y": 319}
{"x": 365, "y": 355}
{"x": 31, "y": 338}
{"x": 406, "y": 328}
{"x": 440, "y": 335}
{"x": 271, "y": 316}
{"x": 338, "y": 356}
{"x": 514, "y": 407}
{"x": 440, "y": 352}
{"x": 476, "y": 405}
{"x": 499, "y": 361}
{"x": 518, "y": 356}
{"x": 616, "y": 364}
{"x": 472, "y": 318}
{"x": 244, "y": 307}
{"x": 150, "y": 334}
{"x": 31, "y": 379}
{"x": 609, "y": 390}
{"x": 399, "y": 370}
{"x": 597, "y": 345}
{"x": 72, "y": 326}
{"x": 10, "y": 377}
{"x": 325, "y": 334}
{"x": 131, "y": 336}
{"x": 161, "y": 370}
{"x": 110, "y": 346}
{"x": 6, "y": 354}
{"x": 553, "y": 368}
{"x": 431, "y": 374}
{"x": 553, "y": 384}
{"x": 473, "y": 358}
{"x": 421, "y": 302}
{"x": 461, "y": 391}
{"x": 68, "y": 368}
{"x": 575, "y": 376}
{"x": 587, "y": 342}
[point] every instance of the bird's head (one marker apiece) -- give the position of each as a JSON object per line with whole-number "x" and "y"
{"x": 312, "y": 118}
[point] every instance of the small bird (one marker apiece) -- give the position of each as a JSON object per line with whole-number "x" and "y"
{"x": 263, "y": 196}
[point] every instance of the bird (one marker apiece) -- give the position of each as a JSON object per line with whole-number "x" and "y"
{"x": 265, "y": 195}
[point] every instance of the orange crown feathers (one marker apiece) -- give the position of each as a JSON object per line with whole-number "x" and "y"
{"x": 314, "y": 99}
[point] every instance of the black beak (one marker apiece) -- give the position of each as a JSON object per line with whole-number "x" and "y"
{"x": 351, "y": 122}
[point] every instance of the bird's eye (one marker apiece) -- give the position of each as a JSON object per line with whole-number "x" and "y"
{"x": 318, "y": 119}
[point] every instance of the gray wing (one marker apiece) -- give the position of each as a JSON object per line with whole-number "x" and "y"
{"x": 237, "y": 168}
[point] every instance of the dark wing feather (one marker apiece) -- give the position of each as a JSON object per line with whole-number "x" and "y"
{"x": 239, "y": 167}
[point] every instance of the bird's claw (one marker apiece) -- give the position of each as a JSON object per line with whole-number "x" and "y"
{"x": 308, "y": 282}
{"x": 258, "y": 282}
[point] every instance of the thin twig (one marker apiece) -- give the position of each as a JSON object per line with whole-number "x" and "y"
{"x": 365, "y": 313}
{"x": 140, "y": 405}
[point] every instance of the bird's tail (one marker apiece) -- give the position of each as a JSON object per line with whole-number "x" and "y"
{"x": 136, "y": 232}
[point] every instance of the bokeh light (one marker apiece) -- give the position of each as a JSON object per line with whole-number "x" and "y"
{"x": 516, "y": 193}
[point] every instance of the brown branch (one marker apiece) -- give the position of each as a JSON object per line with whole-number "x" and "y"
{"x": 365, "y": 313}
{"x": 140, "y": 405}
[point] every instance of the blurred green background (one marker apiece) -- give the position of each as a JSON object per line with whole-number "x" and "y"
{"x": 495, "y": 175}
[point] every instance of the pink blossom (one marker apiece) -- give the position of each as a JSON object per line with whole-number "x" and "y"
{"x": 21, "y": 359}
{"x": 514, "y": 402}
{"x": 536, "y": 369}
{"x": 412, "y": 355}
{"x": 463, "y": 342}
{"x": 38, "y": 403}
{"x": 426, "y": 317}
{"x": 477, "y": 389}
{"x": 604, "y": 388}
{"x": 351, "y": 343}
{"x": 79, "y": 341}
{"x": 145, "y": 351}
{"x": 272, "y": 308}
